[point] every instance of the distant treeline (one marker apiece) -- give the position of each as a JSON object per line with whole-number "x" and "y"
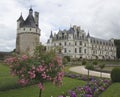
{"x": 117, "y": 43}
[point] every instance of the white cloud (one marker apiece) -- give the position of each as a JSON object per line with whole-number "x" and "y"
{"x": 101, "y": 18}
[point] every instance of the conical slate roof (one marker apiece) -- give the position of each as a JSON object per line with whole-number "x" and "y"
{"x": 29, "y": 22}
{"x": 20, "y": 18}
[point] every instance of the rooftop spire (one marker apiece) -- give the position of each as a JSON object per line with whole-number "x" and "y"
{"x": 88, "y": 35}
{"x": 51, "y": 34}
{"x": 30, "y": 10}
{"x": 20, "y": 18}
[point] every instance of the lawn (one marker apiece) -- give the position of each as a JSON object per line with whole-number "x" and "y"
{"x": 50, "y": 90}
{"x": 7, "y": 81}
{"x": 112, "y": 91}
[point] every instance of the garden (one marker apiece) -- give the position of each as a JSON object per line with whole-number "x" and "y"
{"x": 44, "y": 75}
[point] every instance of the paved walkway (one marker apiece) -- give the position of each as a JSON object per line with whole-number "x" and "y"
{"x": 82, "y": 70}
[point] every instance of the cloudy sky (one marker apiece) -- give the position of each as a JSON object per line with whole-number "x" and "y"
{"x": 100, "y": 17}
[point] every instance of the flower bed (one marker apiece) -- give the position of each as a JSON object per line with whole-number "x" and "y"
{"x": 93, "y": 88}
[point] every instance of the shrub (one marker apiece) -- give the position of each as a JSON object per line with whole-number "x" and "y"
{"x": 95, "y": 62}
{"x": 68, "y": 58}
{"x": 90, "y": 67}
{"x": 65, "y": 61}
{"x": 84, "y": 62}
{"x": 115, "y": 75}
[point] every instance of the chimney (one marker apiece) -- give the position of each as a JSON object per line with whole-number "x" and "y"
{"x": 37, "y": 19}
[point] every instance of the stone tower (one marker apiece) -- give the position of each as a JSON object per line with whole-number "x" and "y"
{"x": 28, "y": 33}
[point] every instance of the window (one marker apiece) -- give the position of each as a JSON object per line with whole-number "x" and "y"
{"x": 69, "y": 43}
{"x": 59, "y": 44}
{"x": 75, "y": 50}
{"x": 65, "y": 43}
{"x": 75, "y": 43}
{"x": 80, "y": 42}
{"x": 85, "y": 51}
{"x": 65, "y": 50}
{"x": 80, "y": 50}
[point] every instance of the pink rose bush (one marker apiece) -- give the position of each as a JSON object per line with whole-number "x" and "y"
{"x": 30, "y": 68}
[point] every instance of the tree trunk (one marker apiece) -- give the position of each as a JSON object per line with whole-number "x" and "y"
{"x": 40, "y": 93}
{"x": 88, "y": 75}
{"x": 101, "y": 74}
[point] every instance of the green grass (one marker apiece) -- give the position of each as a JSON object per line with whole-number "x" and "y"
{"x": 112, "y": 91}
{"x": 6, "y": 80}
{"x": 50, "y": 90}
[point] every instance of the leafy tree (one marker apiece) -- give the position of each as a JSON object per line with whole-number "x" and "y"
{"x": 43, "y": 66}
{"x": 89, "y": 67}
{"x": 101, "y": 67}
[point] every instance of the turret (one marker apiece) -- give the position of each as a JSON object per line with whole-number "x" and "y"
{"x": 37, "y": 19}
{"x": 20, "y": 21}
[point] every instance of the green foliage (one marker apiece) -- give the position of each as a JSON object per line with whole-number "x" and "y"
{"x": 41, "y": 54}
{"x": 89, "y": 67}
{"x": 115, "y": 75}
{"x": 65, "y": 61}
{"x": 95, "y": 62}
{"x": 117, "y": 44}
{"x": 102, "y": 66}
{"x": 84, "y": 62}
{"x": 68, "y": 58}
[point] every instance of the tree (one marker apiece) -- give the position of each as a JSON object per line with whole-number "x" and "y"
{"x": 89, "y": 67}
{"x": 44, "y": 66}
{"x": 101, "y": 67}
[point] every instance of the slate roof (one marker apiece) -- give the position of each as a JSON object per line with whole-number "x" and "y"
{"x": 29, "y": 22}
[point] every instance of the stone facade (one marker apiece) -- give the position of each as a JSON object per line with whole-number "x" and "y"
{"x": 76, "y": 44}
{"x": 28, "y": 33}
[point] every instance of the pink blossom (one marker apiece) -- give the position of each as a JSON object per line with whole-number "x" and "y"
{"x": 31, "y": 74}
{"x": 40, "y": 68}
{"x": 24, "y": 57}
{"x": 44, "y": 75}
{"x": 23, "y": 81}
{"x": 40, "y": 85}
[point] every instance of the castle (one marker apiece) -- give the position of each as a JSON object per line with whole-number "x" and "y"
{"x": 73, "y": 42}
{"x": 76, "y": 44}
{"x": 28, "y": 33}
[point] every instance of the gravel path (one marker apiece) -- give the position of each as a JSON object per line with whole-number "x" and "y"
{"x": 82, "y": 70}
